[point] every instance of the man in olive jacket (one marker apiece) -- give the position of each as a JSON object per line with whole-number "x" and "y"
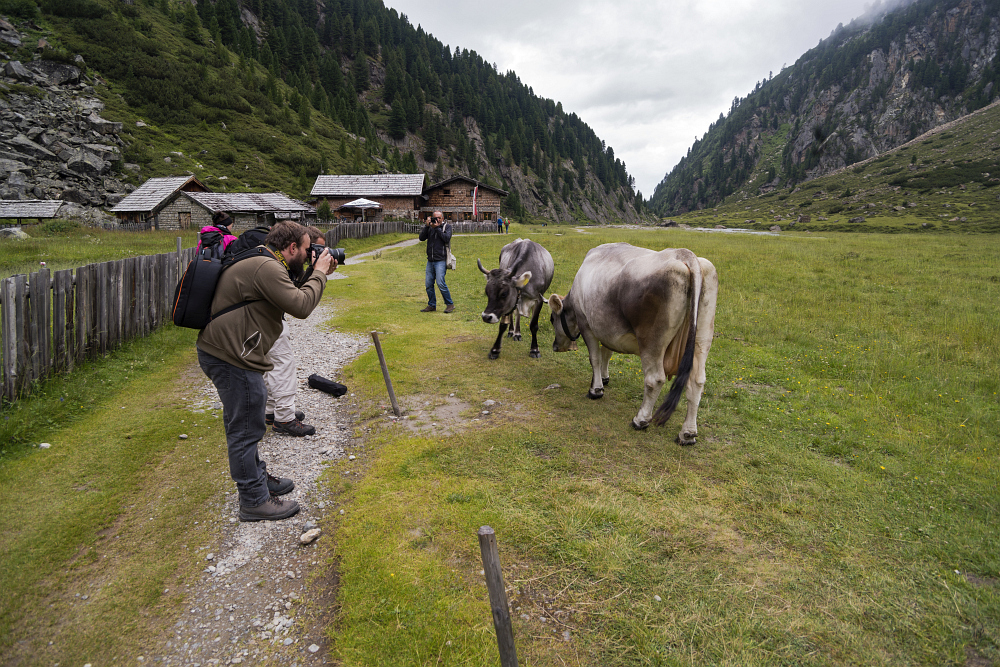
{"x": 232, "y": 351}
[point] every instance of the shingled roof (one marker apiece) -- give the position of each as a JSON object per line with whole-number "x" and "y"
{"x": 249, "y": 202}
{"x": 30, "y": 208}
{"x": 374, "y": 185}
{"x": 150, "y": 195}
{"x": 448, "y": 181}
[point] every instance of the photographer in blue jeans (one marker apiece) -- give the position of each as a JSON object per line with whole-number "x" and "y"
{"x": 438, "y": 236}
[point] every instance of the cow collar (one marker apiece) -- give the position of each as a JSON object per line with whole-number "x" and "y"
{"x": 562, "y": 318}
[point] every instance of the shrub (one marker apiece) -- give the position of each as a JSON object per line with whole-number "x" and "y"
{"x": 84, "y": 9}
{"x": 25, "y": 9}
{"x": 227, "y": 155}
{"x": 59, "y": 226}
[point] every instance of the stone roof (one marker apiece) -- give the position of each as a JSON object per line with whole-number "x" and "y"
{"x": 30, "y": 208}
{"x": 473, "y": 181}
{"x": 374, "y": 185}
{"x": 152, "y": 194}
{"x": 249, "y": 202}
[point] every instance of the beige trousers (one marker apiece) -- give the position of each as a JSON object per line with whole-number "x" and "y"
{"x": 280, "y": 381}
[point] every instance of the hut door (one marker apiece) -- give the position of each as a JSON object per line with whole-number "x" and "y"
{"x": 184, "y": 220}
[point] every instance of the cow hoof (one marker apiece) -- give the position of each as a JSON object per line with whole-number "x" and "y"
{"x": 510, "y": 334}
{"x": 535, "y": 354}
{"x": 641, "y": 426}
{"x": 592, "y": 396}
{"x": 687, "y": 439}
{"x": 517, "y": 337}
{"x": 494, "y": 354}
{"x": 606, "y": 381}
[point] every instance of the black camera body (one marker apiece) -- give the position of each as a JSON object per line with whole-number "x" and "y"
{"x": 315, "y": 250}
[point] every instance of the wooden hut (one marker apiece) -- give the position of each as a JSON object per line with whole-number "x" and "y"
{"x": 28, "y": 209}
{"x": 194, "y": 210}
{"x": 461, "y": 198}
{"x": 145, "y": 204}
{"x": 399, "y": 195}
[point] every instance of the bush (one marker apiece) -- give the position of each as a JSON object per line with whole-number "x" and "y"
{"x": 84, "y": 9}
{"x": 25, "y": 9}
{"x": 227, "y": 155}
{"x": 59, "y": 227}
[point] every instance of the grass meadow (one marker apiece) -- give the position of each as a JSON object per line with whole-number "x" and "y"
{"x": 840, "y": 506}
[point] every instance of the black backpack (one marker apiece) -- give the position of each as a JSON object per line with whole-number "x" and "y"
{"x": 251, "y": 238}
{"x": 196, "y": 288}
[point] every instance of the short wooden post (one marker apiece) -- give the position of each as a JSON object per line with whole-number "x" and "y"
{"x": 498, "y": 597}
{"x": 385, "y": 374}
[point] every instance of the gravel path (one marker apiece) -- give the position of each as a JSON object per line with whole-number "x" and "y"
{"x": 251, "y": 604}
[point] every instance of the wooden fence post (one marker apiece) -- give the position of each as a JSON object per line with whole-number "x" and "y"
{"x": 385, "y": 374}
{"x": 498, "y": 597}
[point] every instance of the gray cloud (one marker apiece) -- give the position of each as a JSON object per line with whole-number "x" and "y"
{"x": 648, "y": 77}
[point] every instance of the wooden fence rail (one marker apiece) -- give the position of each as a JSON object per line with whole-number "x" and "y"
{"x": 50, "y": 322}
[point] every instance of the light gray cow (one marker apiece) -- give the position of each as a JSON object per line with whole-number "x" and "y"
{"x": 658, "y": 305}
{"x": 516, "y": 289}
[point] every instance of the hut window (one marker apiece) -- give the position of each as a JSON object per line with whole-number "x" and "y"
{"x": 447, "y": 191}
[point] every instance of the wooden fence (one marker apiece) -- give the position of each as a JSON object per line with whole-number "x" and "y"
{"x": 50, "y": 322}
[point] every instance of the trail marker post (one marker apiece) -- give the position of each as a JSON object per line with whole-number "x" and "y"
{"x": 498, "y": 597}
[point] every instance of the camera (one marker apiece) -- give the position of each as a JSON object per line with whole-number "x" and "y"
{"x": 315, "y": 250}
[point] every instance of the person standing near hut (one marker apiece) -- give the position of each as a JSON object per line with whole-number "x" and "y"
{"x": 499, "y": 225}
{"x": 438, "y": 237}
{"x": 506, "y": 226}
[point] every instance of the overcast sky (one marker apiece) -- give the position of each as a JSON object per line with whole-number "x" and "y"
{"x": 647, "y": 76}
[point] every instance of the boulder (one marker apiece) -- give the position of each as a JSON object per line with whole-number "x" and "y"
{"x": 75, "y": 196}
{"x": 103, "y": 151}
{"x": 104, "y": 126}
{"x": 29, "y": 147}
{"x": 16, "y": 70}
{"x": 84, "y": 162}
{"x": 13, "y": 233}
{"x": 7, "y": 166}
{"x": 775, "y": 228}
{"x": 859, "y": 218}
{"x": 17, "y": 180}
{"x": 53, "y": 73}
{"x": 113, "y": 199}
{"x": 12, "y": 38}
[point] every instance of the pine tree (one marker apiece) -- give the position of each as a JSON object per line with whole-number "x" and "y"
{"x": 397, "y": 121}
{"x": 360, "y": 72}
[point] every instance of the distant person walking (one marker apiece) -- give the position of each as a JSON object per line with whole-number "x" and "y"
{"x": 506, "y": 226}
{"x": 499, "y": 225}
{"x": 438, "y": 237}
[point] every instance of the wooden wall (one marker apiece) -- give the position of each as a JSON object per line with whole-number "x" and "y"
{"x": 455, "y": 201}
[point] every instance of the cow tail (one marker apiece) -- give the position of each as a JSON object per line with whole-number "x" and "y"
{"x": 666, "y": 409}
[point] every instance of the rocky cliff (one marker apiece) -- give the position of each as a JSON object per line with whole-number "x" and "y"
{"x": 53, "y": 142}
{"x": 870, "y": 87}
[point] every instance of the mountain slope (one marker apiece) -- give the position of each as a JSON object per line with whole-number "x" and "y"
{"x": 871, "y": 86}
{"x": 270, "y": 93}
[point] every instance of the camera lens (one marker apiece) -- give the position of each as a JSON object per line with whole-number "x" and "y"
{"x": 338, "y": 254}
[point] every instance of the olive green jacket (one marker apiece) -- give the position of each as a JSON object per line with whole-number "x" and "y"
{"x": 244, "y": 336}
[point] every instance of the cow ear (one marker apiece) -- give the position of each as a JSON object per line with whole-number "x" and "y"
{"x": 522, "y": 280}
{"x": 555, "y": 303}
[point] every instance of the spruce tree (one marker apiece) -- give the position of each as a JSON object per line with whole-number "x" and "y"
{"x": 360, "y": 72}
{"x": 397, "y": 121}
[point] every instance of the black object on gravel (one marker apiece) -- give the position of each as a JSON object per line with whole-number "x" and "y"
{"x": 329, "y": 386}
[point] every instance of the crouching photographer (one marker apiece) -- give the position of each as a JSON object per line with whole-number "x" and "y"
{"x": 233, "y": 352}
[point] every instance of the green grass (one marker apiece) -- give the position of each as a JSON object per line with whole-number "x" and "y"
{"x": 81, "y": 246}
{"x": 845, "y": 469}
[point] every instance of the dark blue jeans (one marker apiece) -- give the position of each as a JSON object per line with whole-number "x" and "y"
{"x": 243, "y": 398}
{"x": 435, "y": 271}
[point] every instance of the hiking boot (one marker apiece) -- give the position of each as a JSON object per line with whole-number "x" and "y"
{"x": 279, "y": 486}
{"x": 296, "y": 428}
{"x": 269, "y": 418}
{"x": 428, "y": 309}
{"x": 450, "y": 308}
{"x": 272, "y": 509}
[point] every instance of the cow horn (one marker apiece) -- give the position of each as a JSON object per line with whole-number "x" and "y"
{"x": 479, "y": 263}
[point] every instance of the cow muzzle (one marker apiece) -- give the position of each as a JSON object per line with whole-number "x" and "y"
{"x": 490, "y": 318}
